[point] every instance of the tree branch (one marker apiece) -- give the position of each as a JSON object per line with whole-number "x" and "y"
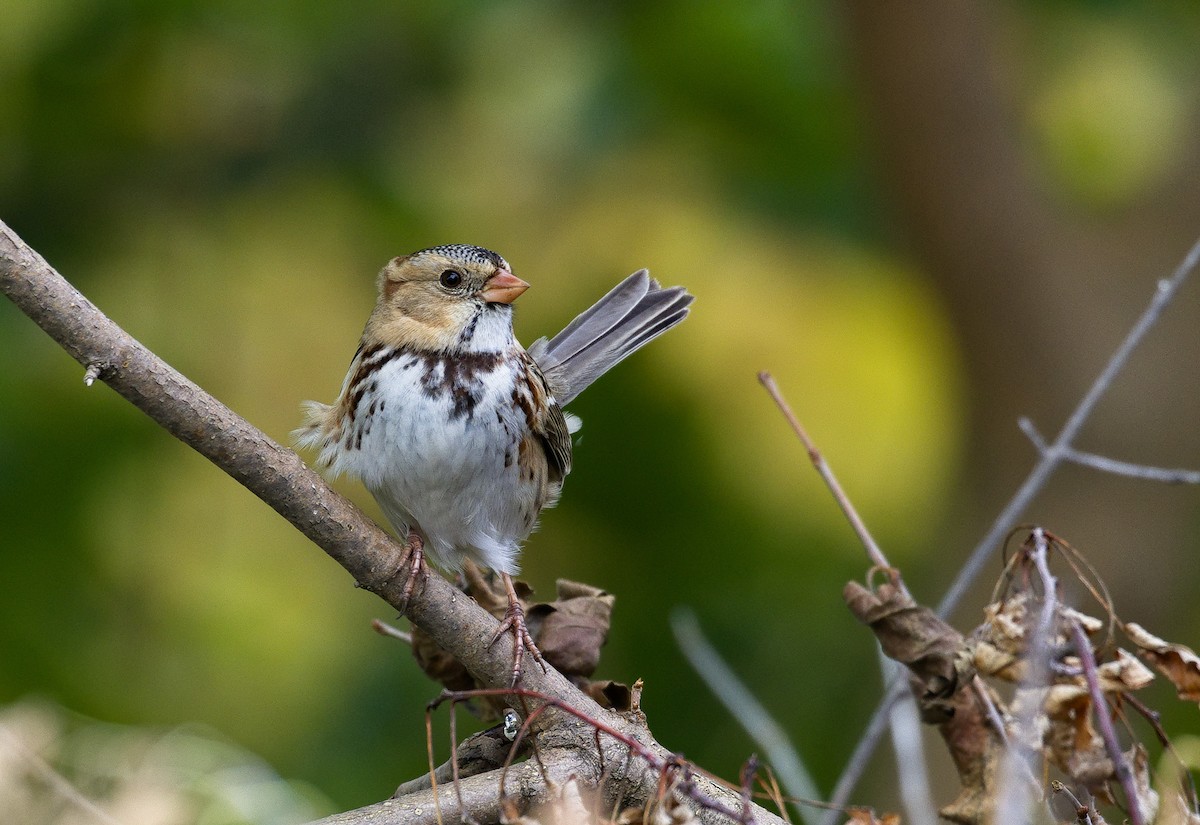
{"x": 1110, "y": 465}
{"x": 280, "y": 478}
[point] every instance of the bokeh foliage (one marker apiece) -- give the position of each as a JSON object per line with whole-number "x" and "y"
{"x": 225, "y": 179}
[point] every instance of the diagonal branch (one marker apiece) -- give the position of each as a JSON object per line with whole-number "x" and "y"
{"x": 281, "y": 479}
{"x": 272, "y": 472}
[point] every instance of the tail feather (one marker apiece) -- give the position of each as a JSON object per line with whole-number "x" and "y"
{"x": 633, "y": 313}
{"x": 601, "y": 316}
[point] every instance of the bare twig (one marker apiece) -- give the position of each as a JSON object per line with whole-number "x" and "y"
{"x": 658, "y": 761}
{"x": 1012, "y": 797}
{"x": 1100, "y": 705}
{"x": 874, "y": 553}
{"x": 1083, "y": 813}
{"x": 897, "y": 686}
{"x": 1165, "y": 290}
{"x": 989, "y": 708}
{"x": 743, "y": 706}
{"x": 480, "y": 801}
{"x": 1114, "y": 466}
{"x": 384, "y": 629}
{"x": 912, "y": 768}
{"x": 749, "y": 774}
{"x": 1049, "y": 461}
{"x": 1154, "y": 719}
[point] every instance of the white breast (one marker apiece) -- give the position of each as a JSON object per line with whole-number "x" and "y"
{"x": 435, "y": 441}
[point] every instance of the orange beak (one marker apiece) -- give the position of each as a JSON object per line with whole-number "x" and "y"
{"x": 503, "y": 288}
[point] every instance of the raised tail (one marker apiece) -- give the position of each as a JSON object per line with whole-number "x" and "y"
{"x": 632, "y": 314}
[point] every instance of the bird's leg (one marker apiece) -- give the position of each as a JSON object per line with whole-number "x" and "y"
{"x": 414, "y": 557}
{"x": 514, "y": 622}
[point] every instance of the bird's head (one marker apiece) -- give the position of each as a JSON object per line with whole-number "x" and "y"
{"x": 445, "y": 298}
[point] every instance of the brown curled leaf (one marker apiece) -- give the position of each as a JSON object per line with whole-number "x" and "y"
{"x": 568, "y": 631}
{"x": 1125, "y": 673}
{"x": 1178, "y": 663}
{"x": 571, "y": 630}
{"x": 910, "y": 634}
{"x": 1004, "y": 625}
{"x": 1070, "y": 740}
{"x": 990, "y": 660}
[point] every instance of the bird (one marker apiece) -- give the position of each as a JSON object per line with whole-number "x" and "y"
{"x": 457, "y": 430}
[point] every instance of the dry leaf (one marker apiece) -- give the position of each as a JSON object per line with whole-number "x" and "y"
{"x": 1125, "y": 673}
{"x": 1090, "y": 624}
{"x": 990, "y": 660}
{"x": 571, "y": 630}
{"x": 912, "y": 635}
{"x": 1071, "y": 703}
{"x": 1177, "y": 662}
{"x": 669, "y": 809}
{"x": 568, "y": 631}
{"x": 570, "y": 805}
{"x": 438, "y": 664}
{"x": 1004, "y": 624}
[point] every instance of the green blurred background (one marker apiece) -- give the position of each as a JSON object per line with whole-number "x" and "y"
{"x": 926, "y": 219}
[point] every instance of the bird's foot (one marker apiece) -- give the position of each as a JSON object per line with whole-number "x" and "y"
{"x": 414, "y": 559}
{"x": 514, "y": 622}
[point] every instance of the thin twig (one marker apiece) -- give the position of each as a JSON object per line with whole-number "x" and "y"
{"x": 1012, "y": 798}
{"x": 774, "y": 792}
{"x": 897, "y": 687}
{"x": 826, "y": 472}
{"x": 1083, "y": 813}
{"x": 385, "y": 629}
{"x": 1049, "y": 461}
{"x": 1154, "y": 719}
{"x": 1109, "y": 734}
{"x": 1165, "y": 475}
{"x": 989, "y": 708}
{"x": 648, "y": 755}
{"x": 749, "y": 773}
{"x": 912, "y": 768}
{"x": 1164, "y": 292}
{"x": 743, "y": 706}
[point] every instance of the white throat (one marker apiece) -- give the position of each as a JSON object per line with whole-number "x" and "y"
{"x": 489, "y": 330}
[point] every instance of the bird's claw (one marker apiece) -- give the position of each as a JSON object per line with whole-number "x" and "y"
{"x": 514, "y": 622}
{"x": 414, "y": 559}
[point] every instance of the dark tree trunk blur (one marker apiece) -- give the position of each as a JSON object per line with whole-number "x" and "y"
{"x": 1039, "y": 296}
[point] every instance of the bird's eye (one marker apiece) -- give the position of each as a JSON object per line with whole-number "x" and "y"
{"x": 450, "y": 278}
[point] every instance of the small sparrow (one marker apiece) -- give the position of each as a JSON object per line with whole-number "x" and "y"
{"x": 458, "y": 431}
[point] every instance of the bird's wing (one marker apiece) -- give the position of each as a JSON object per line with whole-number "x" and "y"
{"x": 547, "y": 422}
{"x": 633, "y": 313}
{"x": 557, "y": 440}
